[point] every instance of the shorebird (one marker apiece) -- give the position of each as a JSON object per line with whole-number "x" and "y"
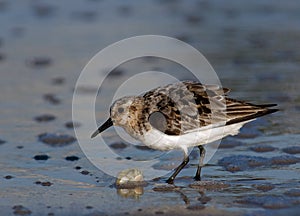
{"x": 182, "y": 115}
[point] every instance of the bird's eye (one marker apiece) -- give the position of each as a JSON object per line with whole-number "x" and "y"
{"x": 120, "y": 110}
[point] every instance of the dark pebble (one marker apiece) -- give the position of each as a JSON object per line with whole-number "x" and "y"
{"x": 41, "y": 157}
{"x": 193, "y": 19}
{"x": 46, "y": 184}
{"x": 72, "y": 158}
{"x": 77, "y": 167}
{"x": 292, "y": 150}
{"x": 264, "y": 187}
{"x": 196, "y": 207}
{"x": 2, "y": 142}
{"x": 262, "y": 148}
{"x": 229, "y": 143}
{"x": 164, "y": 187}
{"x": 45, "y": 118}
{"x": 43, "y": 10}
{"x": 51, "y": 98}
{"x": 86, "y": 90}
{"x": 284, "y": 160}
{"x": 21, "y": 210}
{"x": 293, "y": 193}
{"x": 266, "y": 201}
{"x": 20, "y": 147}
{"x": 116, "y": 73}
{"x": 72, "y": 125}
{"x": 143, "y": 148}
{"x": 118, "y": 145}
{"x": 209, "y": 185}
{"x": 8, "y": 177}
{"x": 89, "y": 207}
{"x": 58, "y": 80}
{"x": 2, "y": 56}
{"x": 85, "y": 172}
{"x": 242, "y": 162}
{"x": 56, "y": 140}
{"x": 39, "y": 62}
{"x": 159, "y": 212}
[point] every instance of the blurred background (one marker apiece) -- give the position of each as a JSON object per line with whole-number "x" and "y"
{"x": 252, "y": 45}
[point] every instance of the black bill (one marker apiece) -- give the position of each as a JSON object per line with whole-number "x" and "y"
{"x": 103, "y": 127}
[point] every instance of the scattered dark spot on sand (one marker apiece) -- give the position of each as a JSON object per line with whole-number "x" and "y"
{"x": 116, "y": 73}
{"x": 39, "y": 62}
{"x": 46, "y": 184}
{"x": 292, "y": 150}
{"x": 51, "y": 214}
{"x": 2, "y": 56}
{"x": 124, "y": 10}
{"x": 86, "y": 89}
{"x": 264, "y": 187}
{"x": 143, "y": 148}
{"x": 267, "y": 201}
{"x": 21, "y": 210}
{"x": 241, "y": 162}
{"x": 72, "y": 158}
{"x": 293, "y": 193}
{"x": 229, "y": 143}
{"x": 164, "y": 187}
{"x": 2, "y": 141}
{"x": 85, "y": 172}
{"x": 8, "y": 177}
{"x": 45, "y": 118}
{"x": 58, "y": 80}
{"x": 42, "y": 10}
{"x": 20, "y": 147}
{"x": 41, "y": 157}
{"x": 284, "y": 160}
{"x": 77, "y": 167}
{"x": 118, "y": 145}
{"x": 56, "y": 140}
{"x": 51, "y": 98}
{"x": 89, "y": 207}
{"x": 72, "y": 125}
{"x": 249, "y": 132}
{"x": 193, "y": 19}
{"x": 128, "y": 158}
{"x": 86, "y": 16}
{"x": 209, "y": 185}
{"x": 262, "y": 148}
{"x": 159, "y": 212}
{"x": 196, "y": 207}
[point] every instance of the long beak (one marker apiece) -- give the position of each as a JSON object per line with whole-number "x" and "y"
{"x": 103, "y": 127}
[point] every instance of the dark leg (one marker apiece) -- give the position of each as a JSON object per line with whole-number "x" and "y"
{"x": 178, "y": 169}
{"x": 200, "y": 165}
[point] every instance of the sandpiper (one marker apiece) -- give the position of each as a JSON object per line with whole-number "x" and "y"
{"x": 182, "y": 115}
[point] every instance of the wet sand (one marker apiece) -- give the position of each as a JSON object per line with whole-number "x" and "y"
{"x": 44, "y": 45}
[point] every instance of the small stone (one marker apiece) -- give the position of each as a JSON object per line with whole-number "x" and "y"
{"x": 21, "y": 210}
{"x": 72, "y": 158}
{"x": 209, "y": 185}
{"x": 118, "y": 145}
{"x": 52, "y": 99}
{"x": 77, "y": 167}
{"x": 72, "y": 125}
{"x": 264, "y": 187}
{"x": 47, "y": 184}
{"x": 262, "y": 148}
{"x": 56, "y": 140}
{"x": 293, "y": 193}
{"x": 8, "y": 177}
{"x": 45, "y": 118}
{"x": 85, "y": 172}
{"x": 284, "y": 160}
{"x": 41, "y": 157}
{"x": 58, "y": 80}
{"x": 292, "y": 150}
{"x": 39, "y": 62}
{"x": 2, "y": 141}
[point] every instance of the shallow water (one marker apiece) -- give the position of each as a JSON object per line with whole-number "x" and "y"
{"x": 44, "y": 45}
